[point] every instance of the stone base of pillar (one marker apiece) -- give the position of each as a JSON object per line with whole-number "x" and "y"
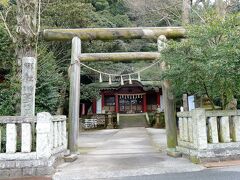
{"x": 70, "y": 158}
{"x": 110, "y": 126}
{"x": 157, "y": 125}
{"x": 173, "y": 153}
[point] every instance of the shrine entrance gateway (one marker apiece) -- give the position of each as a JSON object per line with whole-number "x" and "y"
{"x": 77, "y": 35}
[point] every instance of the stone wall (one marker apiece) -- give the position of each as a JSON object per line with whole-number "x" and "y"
{"x": 38, "y": 153}
{"x": 209, "y": 135}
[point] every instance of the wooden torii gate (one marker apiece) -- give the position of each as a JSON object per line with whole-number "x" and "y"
{"x": 77, "y": 35}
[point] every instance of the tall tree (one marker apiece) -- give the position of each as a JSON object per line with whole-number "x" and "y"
{"x": 27, "y": 21}
{"x": 208, "y": 62}
{"x": 28, "y": 27}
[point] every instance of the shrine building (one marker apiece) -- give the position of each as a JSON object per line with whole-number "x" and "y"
{"x": 130, "y": 98}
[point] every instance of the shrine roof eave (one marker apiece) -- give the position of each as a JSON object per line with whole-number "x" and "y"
{"x": 147, "y": 85}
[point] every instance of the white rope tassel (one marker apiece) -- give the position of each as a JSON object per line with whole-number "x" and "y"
{"x": 139, "y": 77}
{"x": 100, "y": 78}
{"x": 130, "y": 79}
{"x": 109, "y": 79}
{"x": 122, "y": 83}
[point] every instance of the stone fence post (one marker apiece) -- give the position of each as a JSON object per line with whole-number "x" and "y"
{"x": 44, "y": 135}
{"x": 199, "y": 128}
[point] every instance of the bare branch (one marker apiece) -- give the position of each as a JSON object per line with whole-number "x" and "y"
{"x": 38, "y": 26}
{"x": 39, "y": 17}
{"x": 198, "y": 15}
{"x": 4, "y": 19}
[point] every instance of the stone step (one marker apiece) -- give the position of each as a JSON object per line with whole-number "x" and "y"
{"x": 70, "y": 158}
{"x": 222, "y": 164}
{"x": 132, "y": 121}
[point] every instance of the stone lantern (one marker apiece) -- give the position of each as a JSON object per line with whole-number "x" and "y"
{"x": 109, "y": 117}
{"x": 157, "y": 115}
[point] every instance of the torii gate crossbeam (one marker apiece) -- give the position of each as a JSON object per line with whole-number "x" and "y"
{"x": 86, "y": 34}
{"x": 120, "y": 56}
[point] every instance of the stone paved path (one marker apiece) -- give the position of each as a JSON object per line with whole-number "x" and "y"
{"x": 30, "y": 178}
{"x": 121, "y": 153}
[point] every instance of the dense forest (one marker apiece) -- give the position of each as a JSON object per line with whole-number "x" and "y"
{"x": 54, "y": 57}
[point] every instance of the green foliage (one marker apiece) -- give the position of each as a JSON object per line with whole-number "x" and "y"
{"x": 49, "y": 83}
{"x": 115, "y": 21}
{"x": 67, "y": 14}
{"x": 100, "y": 4}
{"x": 6, "y": 49}
{"x": 4, "y": 3}
{"x": 115, "y": 7}
{"x": 72, "y": 14}
{"x": 8, "y": 98}
{"x": 151, "y": 74}
{"x": 89, "y": 93}
{"x": 207, "y": 62}
{"x": 10, "y": 86}
{"x": 118, "y": 7}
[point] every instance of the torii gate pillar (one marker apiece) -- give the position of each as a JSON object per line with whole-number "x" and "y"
{"x": 74, "y": 100}
{"x": 169, "y": 107}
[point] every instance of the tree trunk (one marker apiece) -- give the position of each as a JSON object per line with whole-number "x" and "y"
{"x": 220, "y": 7}
{"x": 186, "y": 8}
{"x": 26, "y": 38}
{"x": 27, "y": 11}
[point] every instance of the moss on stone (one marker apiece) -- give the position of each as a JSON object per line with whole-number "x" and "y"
{"x": 194, "y": 159}
{"x": 171, "y": 141}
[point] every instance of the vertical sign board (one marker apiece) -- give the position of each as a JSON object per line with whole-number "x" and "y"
{"x": 191, "y": 103}
{"x": 28, "y": 86}
{"x": 99, "y": 106}
{"x": 161, "y": 103}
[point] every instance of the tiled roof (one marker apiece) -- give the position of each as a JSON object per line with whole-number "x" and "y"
{"x": 115, "y": 85}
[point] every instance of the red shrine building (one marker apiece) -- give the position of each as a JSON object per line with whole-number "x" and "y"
{"x": 138, "y": 97}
